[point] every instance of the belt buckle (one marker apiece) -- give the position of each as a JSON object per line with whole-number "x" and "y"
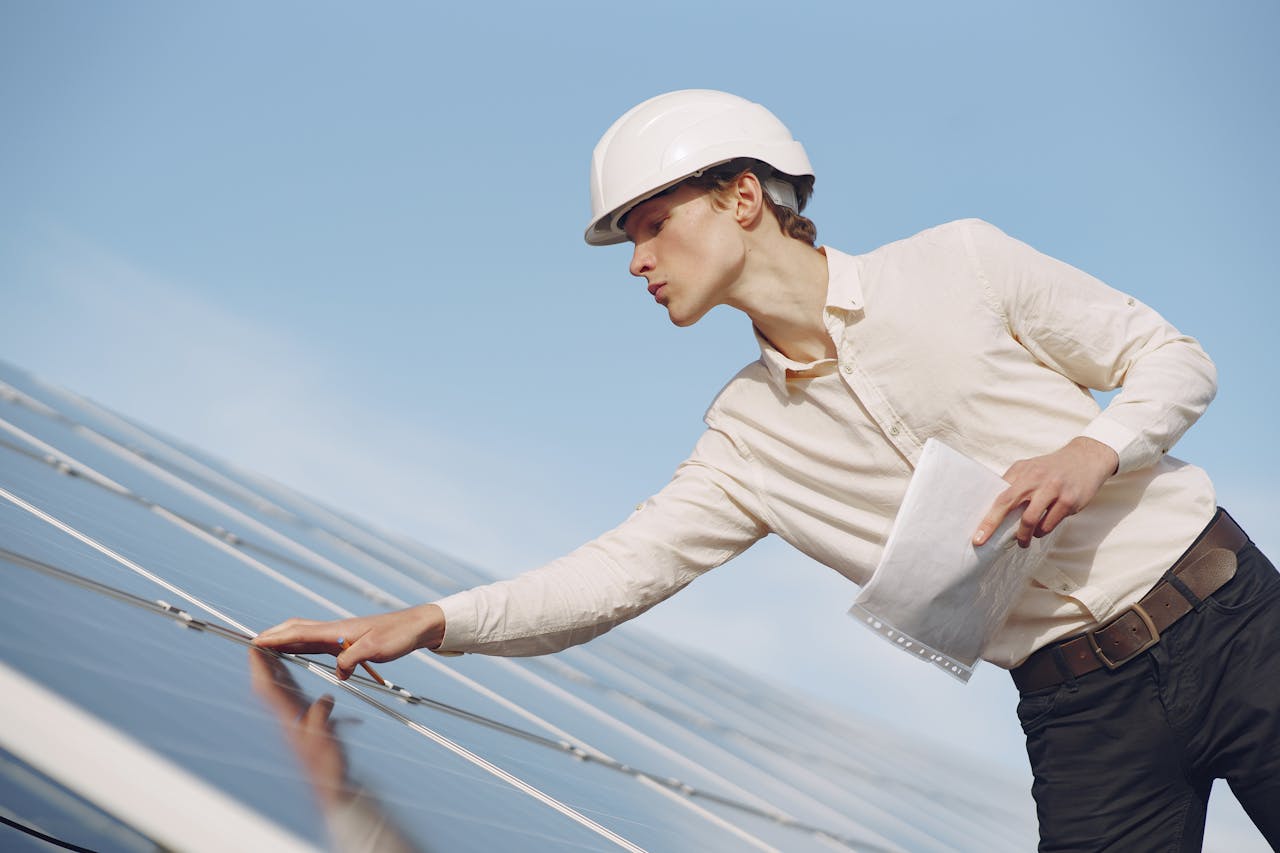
{"x": 1116, "y": 664}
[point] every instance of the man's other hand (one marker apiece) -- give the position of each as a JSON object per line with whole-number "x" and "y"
{"x": 1049, "y": 488}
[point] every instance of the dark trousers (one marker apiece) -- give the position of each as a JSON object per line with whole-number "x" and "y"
{"x": 1124, "y": 759}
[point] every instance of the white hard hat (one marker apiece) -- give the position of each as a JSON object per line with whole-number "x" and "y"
{"x": 668, "y": 138}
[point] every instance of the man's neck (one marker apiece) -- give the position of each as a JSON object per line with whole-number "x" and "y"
{"x": 784, "y": 293}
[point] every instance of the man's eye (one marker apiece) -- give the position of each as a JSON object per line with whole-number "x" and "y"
{"x": 657, "y": 225}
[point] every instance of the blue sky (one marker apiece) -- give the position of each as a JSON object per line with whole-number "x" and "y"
{"x": 341, "y": 245}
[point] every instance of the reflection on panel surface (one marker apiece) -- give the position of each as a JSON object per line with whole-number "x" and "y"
{"x": 626, "y": 743}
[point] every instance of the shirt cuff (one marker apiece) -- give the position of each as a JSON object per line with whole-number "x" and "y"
{"x": 459, "y": 624}
{"x": 1131, "y": 450}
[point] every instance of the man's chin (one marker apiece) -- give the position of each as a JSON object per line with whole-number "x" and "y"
{"x": 681, "y": 318}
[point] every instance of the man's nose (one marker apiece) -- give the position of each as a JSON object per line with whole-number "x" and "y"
{"x": 641, "y": 261}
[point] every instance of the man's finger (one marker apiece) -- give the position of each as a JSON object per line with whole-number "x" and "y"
{"x": 306, "y": 639}
{"x": 302, "y": 648}
{"x": 1004, "y": 504}
{"x": 1032, "y": 517}
{"x": 299, "y": 636}
{"x": 287, "y": 626}
{"x": 348, "y": 659}
{"x": 1026, "y": 530}
{"x": 1055, "y": 516}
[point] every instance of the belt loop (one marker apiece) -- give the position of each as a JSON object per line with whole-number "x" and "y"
{"x": 1060, "y": 661}
{"x": 1194, "y": 600}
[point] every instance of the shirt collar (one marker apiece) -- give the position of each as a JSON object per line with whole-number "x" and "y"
{"x": 844, "y": 296}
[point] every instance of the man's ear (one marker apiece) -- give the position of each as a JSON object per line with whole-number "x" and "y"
{"x": 747, "y": 198}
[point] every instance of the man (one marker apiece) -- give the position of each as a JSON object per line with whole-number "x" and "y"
{"x": 1146, "y": 643}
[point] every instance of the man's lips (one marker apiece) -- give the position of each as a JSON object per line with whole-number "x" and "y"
{"x": 655, "y": 287}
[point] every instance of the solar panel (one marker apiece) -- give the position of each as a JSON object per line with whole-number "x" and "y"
{"x": 136, "y": 569}
{"x": 50, "y": 813}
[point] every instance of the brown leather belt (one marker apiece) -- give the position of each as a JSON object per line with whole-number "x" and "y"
{"x": 1208, "y": 564}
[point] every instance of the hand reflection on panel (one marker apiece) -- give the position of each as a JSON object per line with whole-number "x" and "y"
{"x": 353, "y": 815}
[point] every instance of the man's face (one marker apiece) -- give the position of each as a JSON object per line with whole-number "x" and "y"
{"x": 688, "y": 250}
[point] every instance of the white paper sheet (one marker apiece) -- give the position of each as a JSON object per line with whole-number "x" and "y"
{"x": 934, "y": 594}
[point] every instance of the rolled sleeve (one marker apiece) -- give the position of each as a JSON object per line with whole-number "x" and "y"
{"x": 706, "y": 515}
{"x": 1102, "y": 339}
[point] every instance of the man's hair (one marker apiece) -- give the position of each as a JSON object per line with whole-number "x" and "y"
{"x": 719, "y": 178}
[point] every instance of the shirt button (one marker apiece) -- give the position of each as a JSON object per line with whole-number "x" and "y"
{"x": 1129, "y": 301}
{"x": 848, "y": 368}
{"x": 893, "y": 430}
{"x": 639, "y": 507}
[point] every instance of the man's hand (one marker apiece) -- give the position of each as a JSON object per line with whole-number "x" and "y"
{"x": 384, "y": 637}
{"x": 1049, "y": 488}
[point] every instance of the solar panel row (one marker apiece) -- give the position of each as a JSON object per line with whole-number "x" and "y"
{"x": 135, "y": 570}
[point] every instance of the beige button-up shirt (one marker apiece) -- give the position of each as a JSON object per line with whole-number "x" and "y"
{"x": 960, "y": 333}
